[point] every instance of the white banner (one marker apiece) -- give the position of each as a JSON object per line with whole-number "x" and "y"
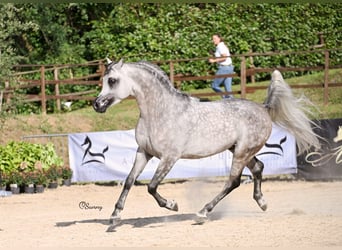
{"x": 109, "y": 156}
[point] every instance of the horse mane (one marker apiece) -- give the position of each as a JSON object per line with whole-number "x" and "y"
{"x": 161, "y": 76}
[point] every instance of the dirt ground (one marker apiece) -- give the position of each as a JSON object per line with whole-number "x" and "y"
{"x": 300, "y": 214}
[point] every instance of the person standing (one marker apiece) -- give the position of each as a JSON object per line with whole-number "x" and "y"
{"x": 225, "y": 66}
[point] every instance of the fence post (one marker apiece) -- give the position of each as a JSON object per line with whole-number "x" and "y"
{"x": 1, "y": 95}
{"x": 251, "y": 59}
{"x": 172, "y": 73}
{"x": 101, "y": 70}
{"x": 8, "y": 99}
{"x": 55, "y": 76}
{"x": 326, "y": 77}
{"x": 243, "y": 77}
{"x": 42, "y": 89}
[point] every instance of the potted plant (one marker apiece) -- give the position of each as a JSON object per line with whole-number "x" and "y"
{"x": 40, "y": 180}
{"x": 53, "y": 174}
{"x": 15, "y": 179}
{"x": 66, "y": 175}
{"x": 28, "y": 181}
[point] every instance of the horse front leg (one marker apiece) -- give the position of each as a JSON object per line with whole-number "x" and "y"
{"x": 163, "y": 169}
{"x": 140, "y": 162}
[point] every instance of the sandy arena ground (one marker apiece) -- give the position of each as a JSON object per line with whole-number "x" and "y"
{"x": 300, "y": 214}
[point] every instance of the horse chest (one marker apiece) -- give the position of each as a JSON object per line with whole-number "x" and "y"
{"x": 156, "y": 139}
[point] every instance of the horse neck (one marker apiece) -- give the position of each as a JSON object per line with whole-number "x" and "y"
{"x": 153, "y": 96}
{"x": 152, "y": 99}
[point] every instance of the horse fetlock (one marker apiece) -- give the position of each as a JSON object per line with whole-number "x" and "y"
{"x": 115, "y": 219}
{"x": 171, "y": 205}
{"x": 202, "y": 213}
{"x": 201, "y": 217}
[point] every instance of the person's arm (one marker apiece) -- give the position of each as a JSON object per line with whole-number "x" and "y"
{"x": 218, "y": 59}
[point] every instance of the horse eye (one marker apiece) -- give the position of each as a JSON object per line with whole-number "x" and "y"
{"x": 112, "y": 81}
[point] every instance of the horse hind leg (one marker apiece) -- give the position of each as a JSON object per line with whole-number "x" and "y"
{"x": 256, "y": 167}
{"x": 232, "y": 183}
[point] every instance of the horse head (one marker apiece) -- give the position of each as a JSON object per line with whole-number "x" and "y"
{"x": 115, "y": 87}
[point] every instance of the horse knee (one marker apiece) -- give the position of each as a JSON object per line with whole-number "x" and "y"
{"x": 259, "y": 166}
{"x": 257, "y": 169}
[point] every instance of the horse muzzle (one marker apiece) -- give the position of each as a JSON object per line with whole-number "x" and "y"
{"x": 100, "y": 104}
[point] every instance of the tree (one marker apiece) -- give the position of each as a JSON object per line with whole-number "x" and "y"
{"x": 11, "y": 26}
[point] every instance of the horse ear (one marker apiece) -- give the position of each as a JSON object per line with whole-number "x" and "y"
{"x": 120, "y": 63}
{"x": 108, "y": 61}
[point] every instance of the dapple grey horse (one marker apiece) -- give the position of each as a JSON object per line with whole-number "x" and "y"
{"x": 173, "y": 125}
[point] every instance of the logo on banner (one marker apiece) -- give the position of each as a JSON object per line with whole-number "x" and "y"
{"x": 278, "y": 148}
{"x": 317, "y": 159}
{"x": 89, "y": 156}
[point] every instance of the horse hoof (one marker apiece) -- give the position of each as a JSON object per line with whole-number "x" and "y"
{"x": 172, "y": 205}
{"x": 111, "y": 229}
{"x": 264, "y": 207}
{"x": 115, "y": 220}
{"x": 200, "y": 219}
{"x": 262, "y": 204}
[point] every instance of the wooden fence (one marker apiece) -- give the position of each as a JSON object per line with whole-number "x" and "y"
{"x": 23, "y": 82}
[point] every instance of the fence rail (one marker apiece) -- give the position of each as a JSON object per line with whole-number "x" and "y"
{"x": 95, "y": 78}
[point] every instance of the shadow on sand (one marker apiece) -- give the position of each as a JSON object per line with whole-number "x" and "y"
{"x": 135, "y": 222}
{"x": 144, "y": 221}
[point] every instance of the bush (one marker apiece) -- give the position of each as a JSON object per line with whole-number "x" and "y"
{"x": 24, "y": 156}
{"x": 29, "y": 163}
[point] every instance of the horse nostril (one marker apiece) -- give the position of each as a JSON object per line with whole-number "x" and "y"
{"x": 95, "y": 105}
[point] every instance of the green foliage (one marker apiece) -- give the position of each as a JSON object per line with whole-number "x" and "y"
{"x": 161, "y": 32}
{"x": 11, "y": 25}
{"x": 75, "y": 32}
{"x": 24, "y": 156}
{"x": 66, "y": 172}
{"x": 47, "y": 33}
{"x": 29, "y": 163}
{"x": 40, "y": 177}
{"x": 53, "y": 173}
{"x": 14, "y": 177}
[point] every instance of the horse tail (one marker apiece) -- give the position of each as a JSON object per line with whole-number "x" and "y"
{"x": 289, "y": 112}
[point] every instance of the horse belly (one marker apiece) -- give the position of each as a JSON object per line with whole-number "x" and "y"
{"x": 247, "y": 128}
{"x": 209, "y": 142}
